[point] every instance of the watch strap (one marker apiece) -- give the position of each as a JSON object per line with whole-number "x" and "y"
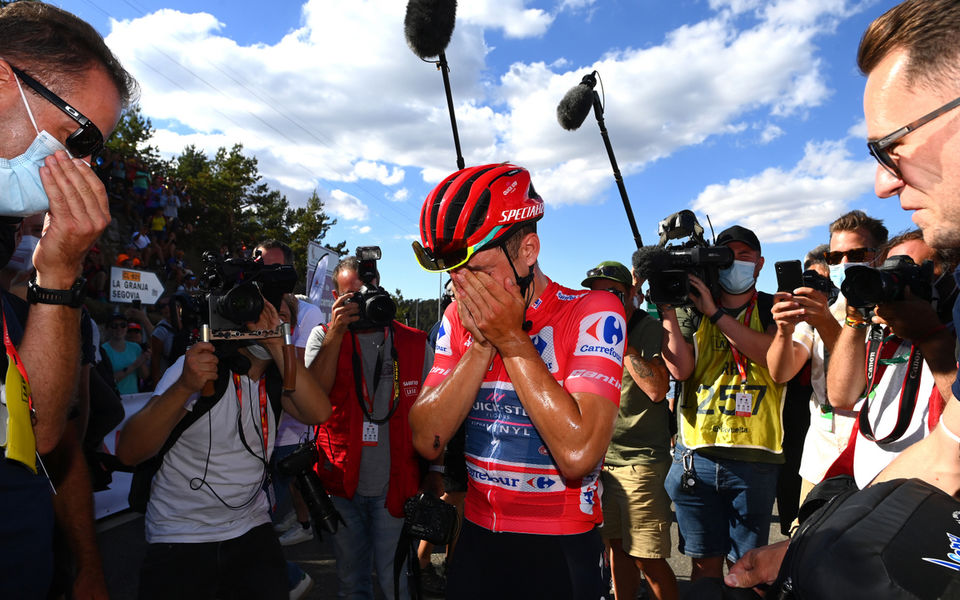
{"x": 72, "y": 297}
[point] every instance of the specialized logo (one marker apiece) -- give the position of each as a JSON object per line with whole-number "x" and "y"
{"x": 521, "y": 214}
{"x": 602, "y": 334}
{"x": 954, "y": 562}
{"x": 543, "y": 342}
{"x": 443, "y": 338}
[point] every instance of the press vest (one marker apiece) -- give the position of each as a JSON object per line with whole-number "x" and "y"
{"x": 339, "y": 439}
{"x": 710, "y": 414}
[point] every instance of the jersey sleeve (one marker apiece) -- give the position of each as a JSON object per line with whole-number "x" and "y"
{"x": 447, "y": 351}
{"x": 596, "y": 362}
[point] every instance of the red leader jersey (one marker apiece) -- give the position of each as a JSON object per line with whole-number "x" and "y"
{"x": 515, "y": 484}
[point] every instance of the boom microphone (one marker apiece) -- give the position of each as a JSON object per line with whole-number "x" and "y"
{"x": 650, "y": 260}
{"x": 428, "y": 26}
{"x": 576, "y": 104}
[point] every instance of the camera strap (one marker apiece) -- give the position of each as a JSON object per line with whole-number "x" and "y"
{"x": 264, "y": 419}
{"x": 876, "y": 344}
{"x": 361, "y": 385}
{"x": 738, "y": 358}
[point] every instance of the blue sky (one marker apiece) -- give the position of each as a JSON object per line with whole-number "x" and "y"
{"x": 746, "y": 111}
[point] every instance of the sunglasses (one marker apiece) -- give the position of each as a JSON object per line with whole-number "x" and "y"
{"x": 118, "y": 326}
{"x": 880, "y": 148}
{"x": 856, "y": 255}
{"x": 607, "y": 272}
{"x": 87, "y": 139}
{"x": 451, "y": 260}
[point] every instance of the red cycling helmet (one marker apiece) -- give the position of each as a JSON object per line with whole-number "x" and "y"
{"x": 472, "y": 209}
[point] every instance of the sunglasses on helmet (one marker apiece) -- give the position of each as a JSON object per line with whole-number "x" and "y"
{"x": 87, "y": 139}
{"x": 456, "y": 258}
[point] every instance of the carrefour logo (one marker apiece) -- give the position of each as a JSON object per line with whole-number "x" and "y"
{"x": 602, "y": 334}
{"x": 543, "y": 342}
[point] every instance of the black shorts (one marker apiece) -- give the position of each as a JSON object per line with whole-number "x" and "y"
{"x": 517, "y": 565}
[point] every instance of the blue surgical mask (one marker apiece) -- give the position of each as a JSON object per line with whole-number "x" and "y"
{"x": 738, "y": 277}
{"x": 839, "y": 272}
{"x": 23, "y": 193}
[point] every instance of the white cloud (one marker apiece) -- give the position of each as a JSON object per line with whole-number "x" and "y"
{"x": 770, "y": 133}
{"x": 784, "y": 205}
{"x": 342, "y": 204}
{"x": 361, "y": 229}
{"x": 400, "y": 195}
{"x": 511, "y": 16}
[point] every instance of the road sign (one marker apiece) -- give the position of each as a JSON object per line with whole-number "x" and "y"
{"x": 127, "y": 285}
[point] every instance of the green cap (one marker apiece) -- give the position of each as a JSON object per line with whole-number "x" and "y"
{"x": 609, "y": 269}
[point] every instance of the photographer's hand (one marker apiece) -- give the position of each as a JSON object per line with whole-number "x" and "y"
{"x": 199, "y": 367}
{"x": 342, "y": 314}
{"x": 786, "y": 312}
{"x": 701, "y": 297}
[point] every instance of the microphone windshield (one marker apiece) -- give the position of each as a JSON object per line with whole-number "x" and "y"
{"x": 650, "y": 260}
{"x": 575, "y": 107}
{"x": 428, "y": 26}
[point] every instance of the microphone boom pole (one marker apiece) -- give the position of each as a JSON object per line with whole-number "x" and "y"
{"x": 444, "y": 70}
{"x": 598, "y": 112}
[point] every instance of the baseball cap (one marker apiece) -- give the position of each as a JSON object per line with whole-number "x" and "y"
{"x": 738, "y": 234}
{"x": 609, "y": 269}
{"x": 131, "y": 326}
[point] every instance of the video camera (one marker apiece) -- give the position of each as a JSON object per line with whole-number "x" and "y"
{"x": 666, "y": 267}
{"x": 865, "y": 287}
{"x": 377, "y": 308}
{"x": 233, "y": 290}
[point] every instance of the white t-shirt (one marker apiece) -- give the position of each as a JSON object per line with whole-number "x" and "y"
{"x": 827, "y": 437}
{"x": 291, "y": 431}
{"x": 177, "y": 513}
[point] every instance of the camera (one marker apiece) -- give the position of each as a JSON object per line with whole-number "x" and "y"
{"x": 377, "y": 308}
{"x": 865, "y": 287}
{"x": 812, "y": 279}
{"x": 431, "y": 519}
{"x": 666, "y": 267}
{"x": 234, "y": 289}
{"x": 299, "y": 464}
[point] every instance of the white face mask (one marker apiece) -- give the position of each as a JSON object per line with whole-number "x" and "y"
{"x": 259, "y": 352}
{"x": 23, "y": 193}
{"x": 738, "y": 277}
{"x": 839, "y": 272}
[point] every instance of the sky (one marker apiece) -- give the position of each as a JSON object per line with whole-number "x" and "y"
{"x": 745, "y": 111}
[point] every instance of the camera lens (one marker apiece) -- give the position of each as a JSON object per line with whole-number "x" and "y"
{"x": 242, "y": 304}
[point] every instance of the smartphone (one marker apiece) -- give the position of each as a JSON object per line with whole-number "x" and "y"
{"x": 789, "y": 275}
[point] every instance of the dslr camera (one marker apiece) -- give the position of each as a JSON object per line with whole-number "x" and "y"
{"x": 666, "y": 266}
{"x": 377, "y": 308}
{"x": 234, "y": 289}
{"x": 865, "y": 287}
{"x": 299, "y": 464}
{"x": 812, "y": 279}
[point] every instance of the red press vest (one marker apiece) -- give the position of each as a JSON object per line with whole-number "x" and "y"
{"x": 339, "y": 439}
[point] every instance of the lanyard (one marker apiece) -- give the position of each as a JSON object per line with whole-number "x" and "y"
{"x": 264, "y": 420}
{"x": 13, "y": 356}
{"x": 909, "y": 390}
{"x": 738, "y": 358}
{"x": 361, "y": 385}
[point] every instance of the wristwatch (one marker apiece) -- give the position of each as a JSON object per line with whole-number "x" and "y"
{"x": 72, "y": 297}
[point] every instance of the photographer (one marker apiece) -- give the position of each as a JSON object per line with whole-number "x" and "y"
{"x": 807, "y": 329}
{"x": 728, "y": 452}
{"x": 896, "y": 401}
{"x": 373, "y": 369}
{"x": 207, "y": 519}
{"x": 636, "y": 509}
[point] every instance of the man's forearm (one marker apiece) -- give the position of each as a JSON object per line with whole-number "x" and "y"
{"x": 753, "y": 344}
{"x": 145, "y": 432}
{"x": 438, "y": 412}
{"x": 676, "y": 352}
{"x": 650, "y": 375}
{"x": 845, "y": 377}
{"x": 50, "y": 352}
{"x": 324, "y": 365}
{"x": 781, "y": 357}
{"x": 938, "y": 353}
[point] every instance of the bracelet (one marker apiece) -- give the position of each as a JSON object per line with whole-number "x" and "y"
{"x": 930, "y": 334}
{"x": 855, "y": 323}
{"x": 949, "y": 433}
{"x": 716, "y": 316}
{"x": 442, "y": 469}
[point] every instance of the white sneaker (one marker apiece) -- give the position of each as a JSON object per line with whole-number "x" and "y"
{"x": 305, "y": 585}
{"x": 296, "y": 535}
{"x": 285, "y": 523}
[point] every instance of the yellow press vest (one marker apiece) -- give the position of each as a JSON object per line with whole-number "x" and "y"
{"x": 714, "y": 411}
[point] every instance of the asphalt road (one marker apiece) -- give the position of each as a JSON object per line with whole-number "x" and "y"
{"x": 123, "y": 547}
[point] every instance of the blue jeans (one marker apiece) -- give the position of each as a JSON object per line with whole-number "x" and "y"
{"x": 366, "y": 541}
{"x": 729, "y": 509}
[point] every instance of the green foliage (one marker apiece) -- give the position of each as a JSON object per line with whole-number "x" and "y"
{"x": 130, "y": 139}
{"x": 420, "y": 313}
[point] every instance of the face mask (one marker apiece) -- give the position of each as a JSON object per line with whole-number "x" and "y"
{"x": 738, "y": 277}
{"x": 259, "y": 352}
{"x": 22, "y": 258}
{"x": 23, "y": 193}
{"x": 839, "y": 272}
